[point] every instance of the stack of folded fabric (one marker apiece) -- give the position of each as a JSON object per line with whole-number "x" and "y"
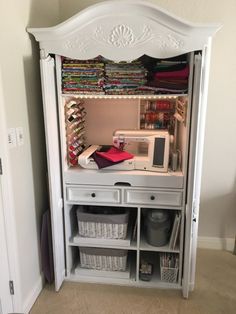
{"x": 109, "y": 156}
{"x": 170, "y": 77}
{"x": 83, "y": 77}
{"x": 125, "y": 78}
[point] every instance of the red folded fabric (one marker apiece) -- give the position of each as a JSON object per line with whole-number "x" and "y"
{"x": 114, "y": 154}
{"x": 173, "y": 74}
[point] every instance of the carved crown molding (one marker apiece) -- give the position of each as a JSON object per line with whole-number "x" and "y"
{"x": 136, "y": 28}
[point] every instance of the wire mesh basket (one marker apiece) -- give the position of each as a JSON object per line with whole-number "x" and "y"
{"x": 169, "y": 274}
{"x": 169, "y": 266}
{"x": 103, "y": 259}
{"x": 100, "y": 222}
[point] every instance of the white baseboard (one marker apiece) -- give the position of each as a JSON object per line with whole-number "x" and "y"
{"x": 33, "y": 295}
{"x": 226, "y": 244}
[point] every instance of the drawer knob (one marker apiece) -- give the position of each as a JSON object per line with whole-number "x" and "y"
{"x": 93, "y": 194}
{"x": 152, "y": 197}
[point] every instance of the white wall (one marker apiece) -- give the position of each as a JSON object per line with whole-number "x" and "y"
{"x": 23, "y": 108}
{"x": 218, "y": 198}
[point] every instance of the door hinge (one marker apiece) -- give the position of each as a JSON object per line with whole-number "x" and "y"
{"x": 11, "y": 286}
{"x": 0, "y": 166}
{"x": 195, "y": 210}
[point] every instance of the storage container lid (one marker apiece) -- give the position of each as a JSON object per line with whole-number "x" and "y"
{"x": 157, "y": 216}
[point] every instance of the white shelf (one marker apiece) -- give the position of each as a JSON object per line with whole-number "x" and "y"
{"x": 102, "y": 280}
{"x": 106, "y": 277}
{"x": 80, "y": 271}
{"x": 92, "y": 276}
{"x": 170, "y": 179}
{"x": 94, "y": 96}
{"x": 128, "y": 244}
{"x": 144, "y": 246}
{"x": 156, "y": 282}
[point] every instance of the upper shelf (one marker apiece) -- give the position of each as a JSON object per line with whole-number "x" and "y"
{"x": 123, "y": 30}
{"x": 94, "y": 96}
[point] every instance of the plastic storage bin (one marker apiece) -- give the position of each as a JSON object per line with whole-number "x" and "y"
{"x": 103, "y": 259}
{"x": 101, "y": 222}
{"x": 158, "y": 226}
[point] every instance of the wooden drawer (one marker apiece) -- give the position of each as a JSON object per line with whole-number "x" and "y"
{"x": 93, "y": 195}
{"x": 153, "y": 197}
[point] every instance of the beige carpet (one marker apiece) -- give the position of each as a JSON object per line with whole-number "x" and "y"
{"x": 215, "y": 293}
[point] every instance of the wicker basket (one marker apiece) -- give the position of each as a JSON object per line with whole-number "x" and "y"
{"x": 103, "y": 259}
{"x": 97, "y": 222}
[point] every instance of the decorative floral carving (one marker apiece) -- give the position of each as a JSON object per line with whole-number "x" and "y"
{"x": 169, "y": 41}
{"x": 174, "y": 42}
{"x": 76, "y": 43}
{"x": 123, "y": 36}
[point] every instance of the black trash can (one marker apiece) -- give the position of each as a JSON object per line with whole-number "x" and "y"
{"x": 158, "y": 227}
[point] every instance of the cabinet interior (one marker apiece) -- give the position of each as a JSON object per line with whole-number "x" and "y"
{"x": 136, "y": 246}
{"x": 104, "y": 114}
{"x": 101, "y": 116}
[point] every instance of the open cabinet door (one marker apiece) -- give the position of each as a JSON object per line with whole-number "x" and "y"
{"x": 194, "y": 177}
{"x": 54, "y": 166}
{"x": 6, "y": 302}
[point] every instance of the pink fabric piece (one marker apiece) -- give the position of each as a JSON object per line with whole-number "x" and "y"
{"x": 173, "y": 74}
{"x": 114, "y": 154}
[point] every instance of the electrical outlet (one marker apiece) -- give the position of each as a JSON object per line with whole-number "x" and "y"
{"x": 19, "y": 136}
{"x": 11, "y": 137}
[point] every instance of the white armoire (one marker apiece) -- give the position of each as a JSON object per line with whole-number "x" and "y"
{"x": 121, "y": 32}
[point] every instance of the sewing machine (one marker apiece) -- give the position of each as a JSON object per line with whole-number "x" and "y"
{"x": 150, "y": 149}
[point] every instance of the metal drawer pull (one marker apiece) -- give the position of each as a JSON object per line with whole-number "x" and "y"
{"x": 93, "y": 195}
{"x": 152, "y": 197}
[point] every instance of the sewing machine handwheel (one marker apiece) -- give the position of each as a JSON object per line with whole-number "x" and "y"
{"x": 93, "y": 194}
{"x": 152, "y": 198}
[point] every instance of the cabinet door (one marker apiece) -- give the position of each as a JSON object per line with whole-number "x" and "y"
{"x": 6, "y": 302}
{"x": 54, "y": 168}
{"x": 194, "y": 174}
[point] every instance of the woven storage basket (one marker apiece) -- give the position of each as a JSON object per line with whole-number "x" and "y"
{"x": 103, "y": 259}
{"x": 95, "y": 222}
